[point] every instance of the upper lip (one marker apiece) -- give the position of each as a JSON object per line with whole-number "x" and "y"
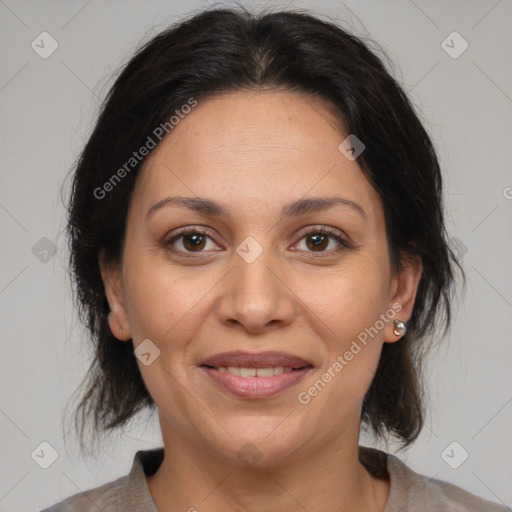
{"x": 267, "y": 359}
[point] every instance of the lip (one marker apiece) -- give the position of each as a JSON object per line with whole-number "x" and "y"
{"x": 255, "y": 387}
{"x": 256, "y": 360}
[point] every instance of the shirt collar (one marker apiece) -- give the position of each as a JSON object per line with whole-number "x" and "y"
{"x": 135, "y": 494}
{"x": 135, "y": 491}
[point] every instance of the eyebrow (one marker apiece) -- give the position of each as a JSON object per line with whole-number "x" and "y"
{"x": 295, "y": 209}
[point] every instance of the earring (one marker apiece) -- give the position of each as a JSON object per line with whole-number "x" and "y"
{"x": 399, "y": 328}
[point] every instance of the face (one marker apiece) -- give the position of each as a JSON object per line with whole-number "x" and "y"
{"x": 258, "y": 276}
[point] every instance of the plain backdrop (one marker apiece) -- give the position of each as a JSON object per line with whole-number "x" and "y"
{"x": 48, "y": 106}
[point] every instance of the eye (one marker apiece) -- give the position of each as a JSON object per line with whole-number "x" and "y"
{"x": 190, "y": 240}
{"x": 318, "y": 239}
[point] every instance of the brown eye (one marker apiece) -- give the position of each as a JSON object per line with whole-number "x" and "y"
{"x": 194, "y": 241}
{"x": 189, "y": 241}
{"x": 323, "y": 241}
{"x": 319, "y": 241}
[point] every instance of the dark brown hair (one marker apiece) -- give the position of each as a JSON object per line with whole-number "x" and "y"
{"x": 226, "y": 50}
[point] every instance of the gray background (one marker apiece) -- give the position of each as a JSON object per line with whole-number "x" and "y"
{"x": 47, "y": 109}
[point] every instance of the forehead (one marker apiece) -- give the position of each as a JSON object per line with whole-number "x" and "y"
{"x": 274, "y": 147}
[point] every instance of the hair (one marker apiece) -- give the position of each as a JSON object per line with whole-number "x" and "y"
{"x": 220, "y": 51}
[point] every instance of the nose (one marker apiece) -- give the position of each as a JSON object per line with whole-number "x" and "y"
{"x": 255, "y": 297}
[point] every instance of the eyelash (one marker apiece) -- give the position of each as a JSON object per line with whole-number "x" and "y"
{"x": 332, "y": 233}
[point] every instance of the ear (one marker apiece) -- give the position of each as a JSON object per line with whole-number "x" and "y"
{"x": 113, "y": 284}
{"x": 404, "y": 286}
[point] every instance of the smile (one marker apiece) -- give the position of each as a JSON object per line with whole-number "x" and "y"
{"x": 255, "y": 372}
{"x": 255, "y": 375}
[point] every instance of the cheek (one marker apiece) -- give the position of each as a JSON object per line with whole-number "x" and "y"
{"x": 348, "y": 307}
{"x": 161, "y": 302}
{"x": 350, "y": 299}
{"x": 167, "y": 306}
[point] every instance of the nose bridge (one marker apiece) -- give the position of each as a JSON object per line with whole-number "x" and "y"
{"x": 255, "y": 295}
{"x": 253, "y": 269}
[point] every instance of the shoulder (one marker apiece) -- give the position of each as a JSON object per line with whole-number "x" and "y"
{"x": 127, "y": 493}
{"x": 104, "y": 498}
{"x": 417, "y": 492}
{"x": 413, "y": 492}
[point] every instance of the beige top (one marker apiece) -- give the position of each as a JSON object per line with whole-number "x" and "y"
{"x": 409, "y": 492}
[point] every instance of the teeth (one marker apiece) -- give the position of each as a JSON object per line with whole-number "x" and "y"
{"x": 254, "y": 372}
{"x": 234, "y": 370}
{"x": 247, "y": 372}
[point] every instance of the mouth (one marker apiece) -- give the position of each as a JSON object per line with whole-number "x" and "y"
{"x": 255, "y": 375}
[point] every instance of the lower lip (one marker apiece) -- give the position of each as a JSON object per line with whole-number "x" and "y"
{"x": 255, "y": 387}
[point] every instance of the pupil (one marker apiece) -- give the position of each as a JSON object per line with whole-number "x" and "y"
{"x": 194, "y": 240}
{"x": 318, "y": 240}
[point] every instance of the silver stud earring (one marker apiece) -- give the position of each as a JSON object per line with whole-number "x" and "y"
{"x": 399, "y": 328}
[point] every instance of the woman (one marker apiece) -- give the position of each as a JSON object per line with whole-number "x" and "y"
{"x": 259, "y": 251}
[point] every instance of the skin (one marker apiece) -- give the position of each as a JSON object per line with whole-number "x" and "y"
{"x": 253, "y": 153}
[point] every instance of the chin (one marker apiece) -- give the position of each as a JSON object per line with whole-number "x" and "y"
{"x": 261, "y": 442}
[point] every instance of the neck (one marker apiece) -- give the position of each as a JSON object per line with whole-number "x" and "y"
{"x": 329, "y": 478}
